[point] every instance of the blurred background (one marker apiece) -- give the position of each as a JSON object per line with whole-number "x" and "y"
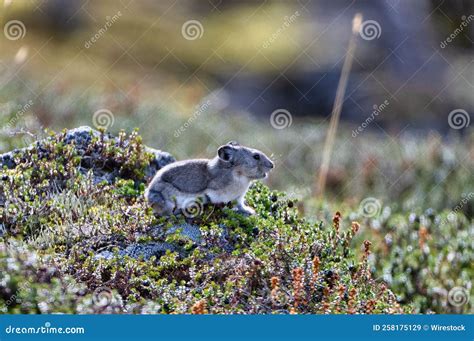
{"x": 194, "y": 74}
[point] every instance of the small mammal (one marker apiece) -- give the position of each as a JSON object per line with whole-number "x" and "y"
{"x": 223, "y": 179}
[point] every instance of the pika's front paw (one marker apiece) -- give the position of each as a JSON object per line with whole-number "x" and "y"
{"x": 244, "y": 209}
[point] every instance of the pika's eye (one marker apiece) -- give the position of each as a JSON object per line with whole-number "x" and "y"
{"x": 256, "y": 157}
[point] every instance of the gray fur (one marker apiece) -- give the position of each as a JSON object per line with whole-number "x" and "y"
{"x": 225, "y": 178}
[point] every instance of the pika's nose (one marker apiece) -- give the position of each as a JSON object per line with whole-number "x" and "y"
{"x": 270, "y": 164}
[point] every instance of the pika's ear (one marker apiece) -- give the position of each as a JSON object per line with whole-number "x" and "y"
{"x": 233, "y": 143}
{"x": 226, "y": 153}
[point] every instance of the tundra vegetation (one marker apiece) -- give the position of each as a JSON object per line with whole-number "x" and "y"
{"x": 392, "y": 233}
{"x": 65, "y": 202}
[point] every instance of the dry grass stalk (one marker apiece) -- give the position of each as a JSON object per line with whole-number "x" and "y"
{"x": 336, "y": 111}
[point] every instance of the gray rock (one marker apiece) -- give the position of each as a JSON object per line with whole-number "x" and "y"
{"x": 161, "y": 159}
{"x": 145, "y": 251}
{"x": 7, "y": 160}
{"x": 158, "y": 249}
{"x": 82, "y": 137}
{"x": 187, "y": 230}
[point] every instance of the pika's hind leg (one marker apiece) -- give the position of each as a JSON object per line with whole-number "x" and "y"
{"x": 158, "y": 197}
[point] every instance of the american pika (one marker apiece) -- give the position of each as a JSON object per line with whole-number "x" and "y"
{"x": 223, "y": 179}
